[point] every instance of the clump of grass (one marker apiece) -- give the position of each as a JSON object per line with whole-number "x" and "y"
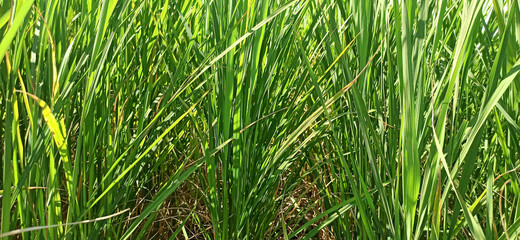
{"x": 264, "y": 119}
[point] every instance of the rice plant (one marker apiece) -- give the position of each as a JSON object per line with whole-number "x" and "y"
{"x": 260, "y": 119}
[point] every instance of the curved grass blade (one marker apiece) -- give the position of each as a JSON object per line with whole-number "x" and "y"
{"x": 16, "y": 24}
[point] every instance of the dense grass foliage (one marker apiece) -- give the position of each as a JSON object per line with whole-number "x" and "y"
{"x": 260, "y": 119}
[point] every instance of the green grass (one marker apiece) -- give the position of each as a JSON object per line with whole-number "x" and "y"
{"x": 249, "y": 119}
